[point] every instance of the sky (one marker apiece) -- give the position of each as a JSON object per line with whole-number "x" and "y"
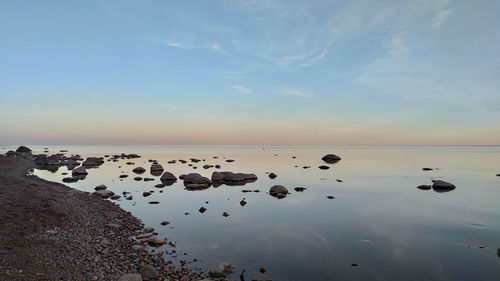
{"x": 268, "y": 72}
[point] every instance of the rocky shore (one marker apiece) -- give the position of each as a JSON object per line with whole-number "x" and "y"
{"x": 53, "y": 232}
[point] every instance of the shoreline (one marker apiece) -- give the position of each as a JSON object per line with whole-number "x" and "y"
{"x": 54, "y": 232}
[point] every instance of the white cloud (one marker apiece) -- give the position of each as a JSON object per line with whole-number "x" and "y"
{"x": 440, "y": 17}
{"x": 242, "y": 90}
{"x": 294, "y": 92}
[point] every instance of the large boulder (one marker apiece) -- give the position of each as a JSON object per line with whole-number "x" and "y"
{"x": 278, "y": 191}
{"x": 442, "y": 186}
{"x": 221, "y": 270}
{"x": 195, "y": 181}
{"x": 331, "y": 158}
{"x": 230, "y": 178}
{"x": 24, "y": 151}
{"x": 168, "y": 178}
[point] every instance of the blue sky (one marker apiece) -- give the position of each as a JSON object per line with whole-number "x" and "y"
{"x": 250, "y": 72}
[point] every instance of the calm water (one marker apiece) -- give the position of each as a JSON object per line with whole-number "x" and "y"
{"x": 378, "y": 220}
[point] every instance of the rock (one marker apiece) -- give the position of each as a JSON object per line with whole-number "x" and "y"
{"x": 129, "y": 198}
{"x": 195, "y": 181}
{"x": 104, "y": 193}
{"x": 148, "y": 229}
{"x": 300, "y": 188}
{"x": 306, "y": 167}
{"x": 154, "y": 202}
{"x": 229, "y": 160}
{"x": 330, "y": 197}
{"x": 148, "y": 179}
{"x": 80, "y": 171}
{"x": 442, "y": 186}
{"x": 221, "y": 270}
{"x": 272, "y": 175}
{"x": 427, "y": 169}
{"x": 498, "y": 252}
{"x": 498, "y": 175}
{"x": 323, "y": 167}
{"x": 243, "y": 203}
{"x": 139, "y": 170}
{"x": 23, "y": 149}
{"x": 137, "y": 247}
{"x": 168, "y": 178}
{"x": 146, "y": 194}
{"x": 148, "y": 271}
{"x": 156, "y": 168}
{"x": 230, "y": 178}
{"x": 70, "y": 179}
{"x": 424, "y": 187}
{"x": 278, "y": 191}
{"x": 160, "y": 185}
{"x": 331, "y": 158}
{"x": 144, "y": 235}
{"x": 202, "y": 210}
{"x": 165, "y": 223}
{"x": 131, "y": 277}
{"x": 225, "y": 214}
{"x": 155, "y": 241}
{"x": 115, "y": 197}
{"x": 138, "y": 178}
{"x": 262, "y": 270}
{"x": 93, "y": 162}
{"x": 100, "y": 187}
{"x": 123, "y": 176}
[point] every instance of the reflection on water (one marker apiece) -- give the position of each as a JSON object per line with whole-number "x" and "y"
{"x": 379, "y": 226}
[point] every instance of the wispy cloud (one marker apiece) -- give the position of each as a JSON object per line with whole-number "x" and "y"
{"x": 241, "y": 89}
{"x": 294, "y": 92}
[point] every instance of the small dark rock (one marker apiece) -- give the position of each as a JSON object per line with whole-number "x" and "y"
{"x": 300, "y": 188}
{"x": 243, "y": 202}
{"x": 272, "y": 175}
{"x": 202, "y": 210}
{"x": 323, "y": 167}
{"x": 424, "y": 187}
{"x": 330, "y": 197}
{"x": 225, "y": 214}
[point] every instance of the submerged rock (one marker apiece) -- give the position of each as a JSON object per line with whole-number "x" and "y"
{"x": 442, "y": 186}
{"x": 243, "y": 202}
{"x": 202, "y": 210}
{"x": 221, "y": 270}
{"x": 323, "y": 167}
{"x": 278, "y": 191}
{"x": 300, "y": 188}
{"x": 70, "y": 179}
{"x": 330, "y": 197}
{"x": 424, "y": 187}
{"x": 272, "y": 175}
{"x": 331, "y": 158}
{"x": 93, "y": 162}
